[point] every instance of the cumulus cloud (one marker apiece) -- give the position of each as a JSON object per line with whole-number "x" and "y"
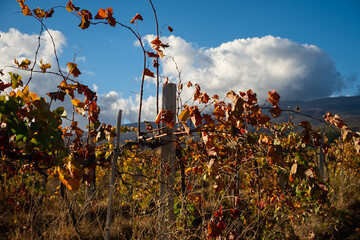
{"x": 296, "y": 71}
{"x": 112, "y": 102}
{"x": 14, "y": 44}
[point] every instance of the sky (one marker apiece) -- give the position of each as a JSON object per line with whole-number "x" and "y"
{"x": 303, "y": 49}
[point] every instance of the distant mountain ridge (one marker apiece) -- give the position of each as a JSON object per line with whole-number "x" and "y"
{"x": 348, "y": 108}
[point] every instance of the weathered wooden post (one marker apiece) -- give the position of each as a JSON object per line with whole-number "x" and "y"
{"x": 90, "y": 190}
{"x": 112, "y": 178}
{"x": 321, "y": 163}
{"x": 168, "y": 167}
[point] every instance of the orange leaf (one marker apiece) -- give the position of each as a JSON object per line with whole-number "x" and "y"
{"x": 273, "y": 155}
{"x": 71, "y": 7}
{"x": 213, "y": 229}
{"x": 166, "y": 81}
{"x": 158, "y": 117}
{"x": 39, "y": 13}
{"x": 70, "y": 183}
{"x": 196, "y": 94}
{"x": 151, "y": 54}
{"x": 77, "y": 103}
{"x": 204, "y": 98}
{"x": 196, "y": 117}
{"x": 276, "y": 111}
{"x": 185, "y": 114}
{"x": 110, "y": 17}
{"x": 49, "y": 13}
{"x": 274, "y": 97}
{"x": 137, "y": 17}
{"x": 148, "y": 73}
{"x": 156, "y": 42}
{"x": 232, "y": 95}
{"x": 167, "y": 117}
{"x": 26, "y": 11}
{"x": 86, "y": 16}
{"x": 101, "y": 14}
{"x": 44, "y": 66}
{"x": 73, "y": 69}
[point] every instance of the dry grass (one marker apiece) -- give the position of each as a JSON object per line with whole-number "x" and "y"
{"x": 49, "y": 218}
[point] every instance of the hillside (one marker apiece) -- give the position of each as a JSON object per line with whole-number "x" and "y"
{"x": 348, "y": 108}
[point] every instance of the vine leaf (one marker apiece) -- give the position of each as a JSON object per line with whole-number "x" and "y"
{"x": 4, "y": 86}
{"x": 49, "y": 13}
{"x": 15, "y": 80}
{"x": 24, "y": 63}
{"x": 151, "y": 54}
{"x": 59, "y": 95}
{"x": 85, "y": 19}
{"x": 156, "y": 44}
{"x": 101, "y": 14}
{"x": 106, "y": 14}
{"x": 137, "y": 17}
{"x": 213, "y": 230}
{"x": 184, "y": 115}
{"x": 274, "y": 98}
{"x": 43, "y": 67}
{"x": 71, "y": 7}
{"x": 73, "y": 69}
{"x": 148, "y": 73}
{"x": 39, "y": 13}
{"x": 69, "y": 182}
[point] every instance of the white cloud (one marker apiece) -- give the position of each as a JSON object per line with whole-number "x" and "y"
{"x": 14, "y": 44}
{"x": 296, "y": 71}
{"x": 110, "y": 103}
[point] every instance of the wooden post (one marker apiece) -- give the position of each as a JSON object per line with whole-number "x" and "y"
{"x": 168, "y": 167}
{"x": 112, "y": 178}
{"x": 321, "y": 163}
{"x": 90, "y": 190}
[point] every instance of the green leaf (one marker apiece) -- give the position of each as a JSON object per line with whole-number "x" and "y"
{"x": 15, "y": 80}
{"x": 59, "y": 111}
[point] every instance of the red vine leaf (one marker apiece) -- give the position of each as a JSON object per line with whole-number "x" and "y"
{"x": 59, "y": 95}
{"x": 156, "y": 42}
{"x": 276, "y": 111}
{"x": 49, "y": 13}
{"x": 151, "y": 54}
{"x": 213, "y": 230}
{"x": 101, "y": 14}
{"x": 148, "y": 73}
{"x": 4, "y": 86}
{"x": 73, "y": 69}
{"x": 39, "y": 13}
{"x": 196, "y": 117}
{"x": 167, "y": 117}
{"x": 71, "y": 7}
{"x": 158, "y": 117}
{"x": 274, "y": 97}
{"x": 86, "y": 16}
{"x": 110, "y": 17}
{"x": 137, "y": 17}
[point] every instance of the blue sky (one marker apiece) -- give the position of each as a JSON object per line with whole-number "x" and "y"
{"x": 303, "y": 37}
